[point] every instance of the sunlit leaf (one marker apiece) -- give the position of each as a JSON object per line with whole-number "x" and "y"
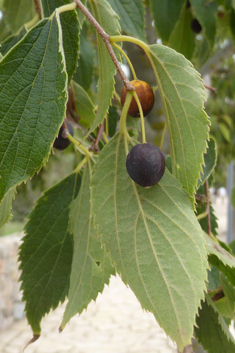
{"x": 91, "y": 267}
{"x": 183, "y": 96}
{"x": 154, "y": 240}
{"x": 5, "y": 207}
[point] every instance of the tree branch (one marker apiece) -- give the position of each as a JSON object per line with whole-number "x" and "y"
{"x": 107, "y": 43}
{"x": 38, "y": 8}
{"x": 208, "y": 217}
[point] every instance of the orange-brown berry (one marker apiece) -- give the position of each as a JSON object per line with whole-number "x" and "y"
{"x": 145, "y": 95}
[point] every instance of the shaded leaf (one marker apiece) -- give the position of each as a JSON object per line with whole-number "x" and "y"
{"x": 165, "y": 14}
{"x": 112, "y": 120}
{"x": 5, "y": 207}
{"x": 229, "y": 292}
{"x": 232, "y": 246}
{"x": 205, "y": 12}
{"x": 70, "y": 30}
{"x": 33, "y": 98}
{"x": 213, "y": 278}
{"x": 46, "y": 251}
{"x": 17, "y": 13}
{"x": 131, "y": 14}
{"x": 9, "y": 42}
{"x": 232, "y": 22}
{"x": 91, "y": 267}
{"x": 148, "y": 233}
{"x": 107, "y": 18}
{"x": 84, "y": 73}
{"x": 221, "y": 259}
{"x": 183, "y": 96}
{"x": 84, "y": 105}
{"x": 210, "y": 158}
{"x": 222, "y": 306}
{"x": 225, "y": 132}
{"x": 203, "y": 221}
{"x": 182, "y": 38}
{"x": 212, "y": 331}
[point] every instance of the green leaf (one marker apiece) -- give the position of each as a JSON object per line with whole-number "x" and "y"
{"x": 232, "y": 246}
{"x": 84, "y": 73}
{"x": 91, "y": 267}
{"x": 183, "y": 96}
{"x": 46, "y": 251}
{"x": 84, "y": 105}
{"x": 70, "y": 30}
{"x": 9, "y": 42}
{"x": 212, "y": 331}
{"x": 203, "y": 221}
{"x": 182, "y": 38}
{"x": 232, "y": 22}
{"x": 131, "y": 14}
{"x": 33, "y": 99}
{"x": 210, "y": 158}
{"x": 229, "y": 292}
{"x": 5, "y": 207}
{"x": 205, "y": 12}
{"x": 107, "y": 18}
{"x": 112, "y": 120}
{"x": 213, "y": 278}
{"x": 225, "y": 132}
{"x": 17, "y": 13}
{"x": 154, "y": 240}
{"x": 166, "y": 14}
{"x": 220, "y": 258}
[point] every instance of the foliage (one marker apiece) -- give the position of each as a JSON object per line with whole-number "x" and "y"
{"x": 96, "y": 221}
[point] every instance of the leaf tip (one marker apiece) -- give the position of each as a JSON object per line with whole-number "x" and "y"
{"x": 33, "y": 339}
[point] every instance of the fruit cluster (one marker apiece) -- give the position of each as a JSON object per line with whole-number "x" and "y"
{"x": 145, "y": 162}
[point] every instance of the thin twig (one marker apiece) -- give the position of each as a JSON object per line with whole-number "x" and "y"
{"x": 38, "y": 8}
{"x": 220, "y": 294}
{"x": 100, "y": 133}
{"x": 208, "y": 217}
{"x": 211, "y": 88}
{"x": 107, "y": 43}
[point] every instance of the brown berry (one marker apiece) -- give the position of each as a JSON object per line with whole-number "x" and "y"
{"x": 145, "y": 95}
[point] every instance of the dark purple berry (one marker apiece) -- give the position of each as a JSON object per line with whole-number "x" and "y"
{"x": 195, "y": 26}
{"x": 60, "y": 142}
{"x": 145, "y": 164}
